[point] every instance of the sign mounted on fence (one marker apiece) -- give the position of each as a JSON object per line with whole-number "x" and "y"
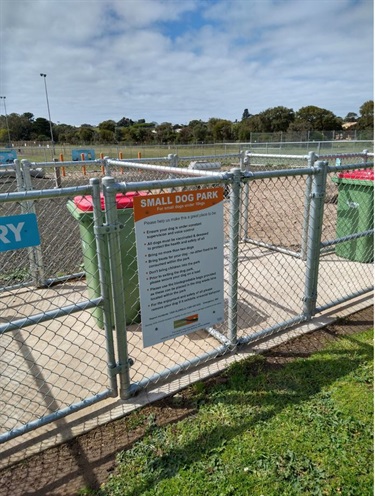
{"x": 180, "y": 251}
{"x": 7, "y": 156}
{"x": 83, "y": 154}
{"x": 18, "y": 231}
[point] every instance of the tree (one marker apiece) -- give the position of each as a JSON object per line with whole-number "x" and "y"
{"x": 65, "y": 133}
{"x": 198, "y": 131}
{"x": 245, "y": 114}
{"x": 222, "y": 130}
{"x": 106, "y": 136}
{"x": 257, "y": 124}
{"x": 142, "y": 134}
{"x": 165, "y": 133}
{"x": 19, "y": 125}
{"x": 28, "y": 115}
{"x": 243, "y": 130}
{"x": 303, "y": 123}
{"x": 119, "y": 134}
{"x": 185, "y": 135}
{"x": 41, "y": 128}
{"x": 125, "y": 122}
{"x": 86, "y": 134}
{"x": 318, "y": 118}
{"x": 351, "y": 117}
{"x": 3, "y": 135}
{"x": 366, "y": 120}
{"x": 107, "y": 125}
{"x": 298, "y": 130}
{"x": 277, "y": 119}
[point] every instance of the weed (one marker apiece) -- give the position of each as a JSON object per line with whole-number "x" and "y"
{"x": 18, "y": 275}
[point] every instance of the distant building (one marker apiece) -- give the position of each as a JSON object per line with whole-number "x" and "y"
{"x": 348, "y": 125}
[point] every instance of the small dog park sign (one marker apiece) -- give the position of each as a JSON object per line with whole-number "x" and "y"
{"x": 18, "y": 231}
{"x": 180, "y": 244}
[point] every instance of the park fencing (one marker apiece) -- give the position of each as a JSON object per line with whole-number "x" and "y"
{"x": 297, "y": 240}
{"x": 258, "y": 142}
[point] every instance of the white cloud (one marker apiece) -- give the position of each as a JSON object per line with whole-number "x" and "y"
{"x": 168, "y": 60}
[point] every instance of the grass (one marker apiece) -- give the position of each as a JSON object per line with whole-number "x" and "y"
{"x": 304, "y": 428}
{"x": 43, "y": 154}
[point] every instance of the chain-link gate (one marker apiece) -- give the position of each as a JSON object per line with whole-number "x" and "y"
{"x": 71, "y": 323}
{"x": 54, "y": 359}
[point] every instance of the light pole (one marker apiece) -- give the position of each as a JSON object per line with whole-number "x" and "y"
{"x": 44, "y": 76}
{"x": 6, "y": 117}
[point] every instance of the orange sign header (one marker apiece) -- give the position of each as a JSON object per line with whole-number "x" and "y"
{"x": 176, "y": 202}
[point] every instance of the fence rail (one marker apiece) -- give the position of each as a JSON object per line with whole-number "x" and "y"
{"x": 70, "y": 322}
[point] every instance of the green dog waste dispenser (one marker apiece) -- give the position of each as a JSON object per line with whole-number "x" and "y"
{"x": 81, "y": 209}
{"x": 355, "y": 214}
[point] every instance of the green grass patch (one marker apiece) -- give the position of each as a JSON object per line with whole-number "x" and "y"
{"x": 304, "y": 428}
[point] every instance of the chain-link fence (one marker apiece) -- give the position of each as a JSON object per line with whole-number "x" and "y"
{"x": 43, "y": 318}
{"x": 296, "y": 240}
{"x": 266, "y": 143}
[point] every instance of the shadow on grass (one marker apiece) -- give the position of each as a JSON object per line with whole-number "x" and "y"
{"x": 262, "y": 387}
{"x": 266, "y": 389}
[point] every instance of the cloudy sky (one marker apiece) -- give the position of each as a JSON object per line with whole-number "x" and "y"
{"x": 178, "y": 60}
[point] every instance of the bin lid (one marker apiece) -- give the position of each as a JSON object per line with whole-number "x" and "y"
{"x": 360, "y": 175}
{"x": 123, "y": 200}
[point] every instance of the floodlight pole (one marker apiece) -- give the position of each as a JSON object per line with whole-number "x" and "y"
{"x": 6, "y": 117}
{"x": 44, "y": 76}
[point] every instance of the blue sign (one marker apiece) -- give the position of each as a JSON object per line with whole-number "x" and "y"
{"x": 18, "y": 231}
{"x": 88, "y": 154}
{"x": 7, "y": 156}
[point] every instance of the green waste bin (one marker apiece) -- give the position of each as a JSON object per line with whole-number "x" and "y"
{"x": 355, "y": 214}
{"x": 81, "y": 209}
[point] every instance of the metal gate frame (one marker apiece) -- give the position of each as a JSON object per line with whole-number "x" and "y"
{"x": 28, "y": 197}
{"x": 107, "y": 236}
{"x": 238, "y": 179}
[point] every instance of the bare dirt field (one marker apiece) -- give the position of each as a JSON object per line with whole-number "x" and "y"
{"x": 275, "y": 216}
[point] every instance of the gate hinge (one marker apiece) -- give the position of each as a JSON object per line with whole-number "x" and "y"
{"x": 115, "y": 370}
{"x": 118, "y": 368}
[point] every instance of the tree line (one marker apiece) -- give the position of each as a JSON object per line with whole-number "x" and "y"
{"x": 308, "y": 123}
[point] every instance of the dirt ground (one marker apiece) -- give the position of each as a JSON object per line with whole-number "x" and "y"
{"x": 88, "y": 460}
{"x": 276, "y": 209}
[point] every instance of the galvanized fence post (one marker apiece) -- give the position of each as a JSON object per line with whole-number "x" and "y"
{"x": 306, "y": 210}
{"x": 365, "y": 158}
{"x": 113, "y": 228}
{"x": 244, "y": 201}
{"x": 314, "y": 238}
{"x": 173, "y": 158}
{"x": 234, "y": 223}
{"x": 35, "y": 252}
{"x": 19, "y": 178}
{"x": 107, "y": 167}
{"x": 58, "y": 183}
{"x": 100, "y": 231}
{"x": 245, "y": 165}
